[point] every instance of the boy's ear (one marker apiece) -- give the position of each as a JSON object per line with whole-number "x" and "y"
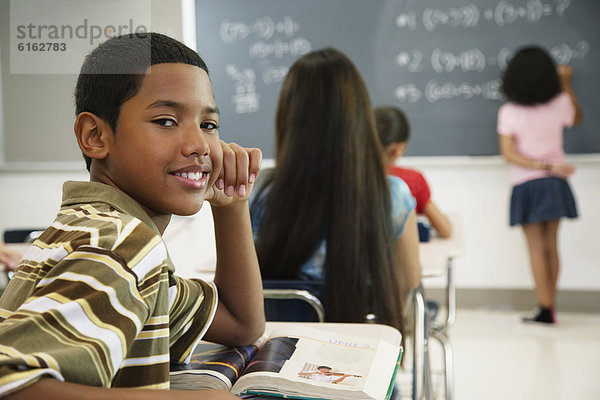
{"x": 93, "y": 135}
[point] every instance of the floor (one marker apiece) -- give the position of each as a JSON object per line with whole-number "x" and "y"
{"x": 498, "y": 357}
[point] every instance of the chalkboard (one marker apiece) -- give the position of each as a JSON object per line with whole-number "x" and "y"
{"x": 440, "y": 61}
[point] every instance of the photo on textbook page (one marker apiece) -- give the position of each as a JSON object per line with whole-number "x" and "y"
{"x": 325, "y": 361}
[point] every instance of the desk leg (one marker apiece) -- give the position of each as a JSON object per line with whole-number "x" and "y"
{"x": 440, "y": 331}
{"x": 451, "y": 295}
{"x": 450, "y": 299}
{"x": 448, "y": 364}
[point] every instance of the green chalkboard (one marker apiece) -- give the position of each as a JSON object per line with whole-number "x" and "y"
{"x": 438, "y": 60}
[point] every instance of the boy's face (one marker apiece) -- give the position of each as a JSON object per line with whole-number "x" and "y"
{"x": 166, "y": 145}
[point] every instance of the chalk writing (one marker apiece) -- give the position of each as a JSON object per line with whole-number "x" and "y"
{"x": 262, "y": 28}
{"x": 465, "y": 17}
{"x": 469, "y": 16}
{"x": 279, "y": 48}
{"x": 407, "y": 20}
{"x": 411, "y": 60}
{"x": 468, "y": 60}
{"x": 564, "y": 54}
{"x": 246, "y": 99}
{"x": 268, "y": 39}
{"x": 474, "y": 60}
{"x": 435, "y": 92}
{"x": 408, "y": 93}
{"x": 273, "y": 75}
{"x": 505, "y": 13}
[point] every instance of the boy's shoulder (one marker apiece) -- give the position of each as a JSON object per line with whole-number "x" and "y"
{"x": 102, "y": 216}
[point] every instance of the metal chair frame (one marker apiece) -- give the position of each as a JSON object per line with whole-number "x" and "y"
{"x": 297, "y": 294}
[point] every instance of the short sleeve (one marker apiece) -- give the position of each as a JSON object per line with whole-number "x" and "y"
{"x": 505, "y": 120}
{"x": 403, "y": 203}
{"x": 424, "y": 193}
{"x": 566, "y": 109}
{"x": 75, "y": 326}
{"x": 192, "y": 307}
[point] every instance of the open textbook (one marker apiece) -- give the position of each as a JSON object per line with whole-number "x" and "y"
{"x": 297, "y": 362}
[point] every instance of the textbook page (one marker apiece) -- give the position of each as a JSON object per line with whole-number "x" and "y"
{"x": 306, "y": 363}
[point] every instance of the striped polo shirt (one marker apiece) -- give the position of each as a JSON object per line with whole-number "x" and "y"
{"x": 95, "y": 300}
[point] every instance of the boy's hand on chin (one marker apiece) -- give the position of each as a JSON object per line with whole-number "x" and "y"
{"x": 236, "y": 175}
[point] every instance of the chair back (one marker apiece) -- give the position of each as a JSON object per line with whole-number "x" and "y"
{"x": 22, "y": 235}
{"x": 293, "y": 300}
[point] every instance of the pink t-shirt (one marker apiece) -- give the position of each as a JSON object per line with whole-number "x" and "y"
{"x": 538, "y": 133}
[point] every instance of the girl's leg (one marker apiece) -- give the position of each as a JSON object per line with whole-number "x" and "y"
{"x": 535, "y": 234}
{"x": 552, "y": 257}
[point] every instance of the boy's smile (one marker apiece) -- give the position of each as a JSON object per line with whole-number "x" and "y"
{"x": 166, "y": 152}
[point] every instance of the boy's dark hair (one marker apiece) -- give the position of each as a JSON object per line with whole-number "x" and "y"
{"x": 392, "y": 125}
{"x": 531, "y": 77}
{"x": 113, "y": 72}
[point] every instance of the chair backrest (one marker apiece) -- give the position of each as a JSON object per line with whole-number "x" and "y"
{"x": 293, "y": 300}
{"x": 22, "y": 235}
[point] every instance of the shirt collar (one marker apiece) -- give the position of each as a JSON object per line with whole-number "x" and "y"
{"x": 94, "y": 192}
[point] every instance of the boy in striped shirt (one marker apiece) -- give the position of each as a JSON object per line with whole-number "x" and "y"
{"x": 94, "y": 309}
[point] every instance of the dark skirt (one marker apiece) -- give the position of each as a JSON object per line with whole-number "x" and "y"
{"x": 540, "y": 200}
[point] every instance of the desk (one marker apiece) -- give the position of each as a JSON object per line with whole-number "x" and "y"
{"x": 384, "y": 332}
{"x": 437, "y": 259}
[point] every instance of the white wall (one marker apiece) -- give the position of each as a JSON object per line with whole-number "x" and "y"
{"x": 476, "y": 190}
{"x": 495, "y": 254}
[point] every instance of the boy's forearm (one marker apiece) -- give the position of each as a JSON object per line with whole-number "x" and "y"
{"x": 53, "y": 389}
{"x": 238, "y": 275}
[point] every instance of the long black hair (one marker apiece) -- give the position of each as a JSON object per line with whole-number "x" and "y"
{"x": 330, "y": 184}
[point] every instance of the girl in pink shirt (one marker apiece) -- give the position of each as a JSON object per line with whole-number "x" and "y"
{"x": 540, "y": 105}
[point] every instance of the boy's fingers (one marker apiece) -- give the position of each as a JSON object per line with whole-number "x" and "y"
{"x": 255, "y": 156}
{"x": 240, "y": 168}
{"x": 229, "y": 170}
{"x": 242, "y": 162}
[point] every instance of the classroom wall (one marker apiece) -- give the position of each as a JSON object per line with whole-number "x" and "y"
{"x": 36, "y": 103}
{"x": 476, "y": 190}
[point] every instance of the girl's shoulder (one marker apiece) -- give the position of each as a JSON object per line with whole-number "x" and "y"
{"x": 562, "y": 99}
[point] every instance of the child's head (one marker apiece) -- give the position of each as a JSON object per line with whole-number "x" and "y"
{"x": 151, "y": 132}
{"x": 394, "y": 131}
{"x": 324, "y": 368}
{"x": 531, "y": 77}
{"x": 113, "y": 72}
